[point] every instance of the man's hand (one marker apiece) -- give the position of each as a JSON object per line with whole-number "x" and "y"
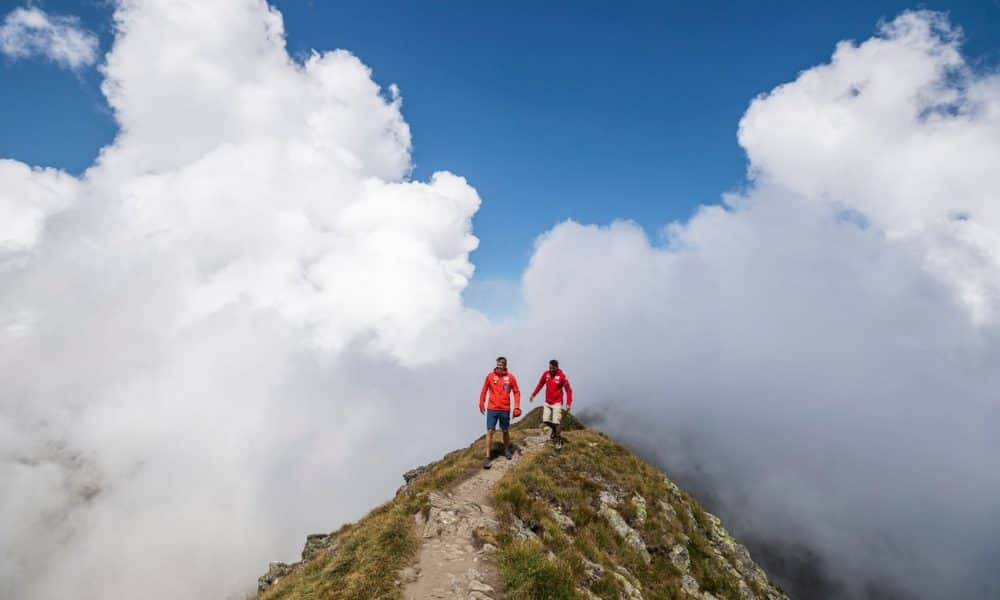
{"x": 567, "y": 409}
{"x": 532, "y": 398}
{"x": 482, "y": 410}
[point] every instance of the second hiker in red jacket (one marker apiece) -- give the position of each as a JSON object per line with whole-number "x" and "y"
{"x": 555, "y": 381}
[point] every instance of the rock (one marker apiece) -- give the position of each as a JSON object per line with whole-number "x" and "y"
{"x": 409, "y": 476}
{"x": 275, "y": 571}
{"x": 412, "y": 474}
{"x": 607, "y": 498}
{"x": 521, "y": 531}
{"x": 478, "y": 596}
{"x": 668, "y": 510}
{"x": 565, "y": 523}
{"x": 690, "y": 585}
{"x": 631, "y": 536}
{"x": 640, "y": 509}
{"x": 478, "y": 586}
{"x": 679, "y": 558}
{"x": 316, "y": 543}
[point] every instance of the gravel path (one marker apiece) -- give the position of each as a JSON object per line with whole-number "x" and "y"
{"x": 449, "y": 565}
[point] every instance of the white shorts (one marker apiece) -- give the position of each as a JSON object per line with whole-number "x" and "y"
{"x": 552, "y": 413}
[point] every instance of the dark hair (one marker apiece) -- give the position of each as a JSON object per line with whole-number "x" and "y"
{"x": 554, "y": 363}
{"x": 503, "y": 358}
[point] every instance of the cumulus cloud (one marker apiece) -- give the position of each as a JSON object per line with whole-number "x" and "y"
{"x": 30, "y": 31}
{"x": 817, "y": 356}
{"x": 207, "y": 338}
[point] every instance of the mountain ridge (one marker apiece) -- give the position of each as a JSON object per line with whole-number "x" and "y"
{"x": 590, "y": 521}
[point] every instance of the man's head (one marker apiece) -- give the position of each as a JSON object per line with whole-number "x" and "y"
{"x": 501, "y": 363}
{"x": 553, "y": 366}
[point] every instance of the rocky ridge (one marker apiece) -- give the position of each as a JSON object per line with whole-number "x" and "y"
{"x": 591, "y": 521}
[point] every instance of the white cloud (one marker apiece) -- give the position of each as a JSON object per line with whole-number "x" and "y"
{"x": 212, "y": 339}
{"x": 27, "y": 198}
{"x": 30, "y": 31}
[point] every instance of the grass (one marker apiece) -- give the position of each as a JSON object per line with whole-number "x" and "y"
{"x": 372, "y": 551}
{"x": 552, "y": 565}
{"x": 571, "y": 481}
{"x": 528, "y": 574}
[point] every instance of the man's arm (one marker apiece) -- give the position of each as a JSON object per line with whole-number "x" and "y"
{"x": 482, "y": 394}
{"x": 541, "y": 382}
{"x": 517, "y": 391}
{"x": 569, "y": 392}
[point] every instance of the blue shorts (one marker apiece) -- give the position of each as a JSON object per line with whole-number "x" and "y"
{"x": 493, "y": 416}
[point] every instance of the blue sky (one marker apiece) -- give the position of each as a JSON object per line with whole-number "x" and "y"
{"x": 581, "y": 110}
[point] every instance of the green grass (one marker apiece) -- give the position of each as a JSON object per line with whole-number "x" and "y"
{"x": 529, "y": 574}
{"x": 572, "y": 480}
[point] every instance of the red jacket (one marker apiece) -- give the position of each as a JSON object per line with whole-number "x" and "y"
{"x": 554, "y": 386}
{"x": 500, "y": 385}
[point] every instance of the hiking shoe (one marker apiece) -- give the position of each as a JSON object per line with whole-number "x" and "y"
{"x": 559, "y": 443}
{"x": 508, "y": 453}
{"x": 486, "y": 463}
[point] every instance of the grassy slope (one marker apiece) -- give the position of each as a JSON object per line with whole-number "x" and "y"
{"x": 369, "y": 553}
{"x": 552, "y": 565}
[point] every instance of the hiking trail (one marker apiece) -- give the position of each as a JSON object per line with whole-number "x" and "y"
{"x": 449, "y": 565}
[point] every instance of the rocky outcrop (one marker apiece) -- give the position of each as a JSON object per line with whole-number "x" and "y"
{"x": 411, "y": 475}
{"x": 275, "y": 571}
{"x": 727, "y": 554}
{"x": 316, "y": 544}
{"x": 607, "y": 502}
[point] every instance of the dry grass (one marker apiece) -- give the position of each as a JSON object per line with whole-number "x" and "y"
{"x": 371, "y": 552}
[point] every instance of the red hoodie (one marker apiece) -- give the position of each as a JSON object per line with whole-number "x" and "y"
{"x": 500, "y": 384}
{"x": 554, "y": 385}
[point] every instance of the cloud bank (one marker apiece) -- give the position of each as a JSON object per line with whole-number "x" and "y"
{"x": 29, "y": 32}
{"x": 218, "y": 338}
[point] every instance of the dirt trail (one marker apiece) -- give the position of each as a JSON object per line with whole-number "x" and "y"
{"x": 448, "y": 564}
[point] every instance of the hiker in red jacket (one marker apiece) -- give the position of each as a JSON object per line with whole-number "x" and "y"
{"x": 499, "y": 384}
{"x": 555, "y": 382}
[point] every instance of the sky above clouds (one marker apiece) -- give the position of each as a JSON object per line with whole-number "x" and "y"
{"x": 215, "y": 331}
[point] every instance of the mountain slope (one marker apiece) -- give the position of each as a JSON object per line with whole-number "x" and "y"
{"x": 590, "y": 521}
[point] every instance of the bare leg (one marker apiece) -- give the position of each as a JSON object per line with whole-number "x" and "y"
{"x": 506, "y": 440}
{"x": 489, "y": 442}
{"x": 557, "y": 430}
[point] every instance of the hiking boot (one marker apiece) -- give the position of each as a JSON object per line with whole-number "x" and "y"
{"x": 508, "y": 453}
{"x": 486, "y": 463}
